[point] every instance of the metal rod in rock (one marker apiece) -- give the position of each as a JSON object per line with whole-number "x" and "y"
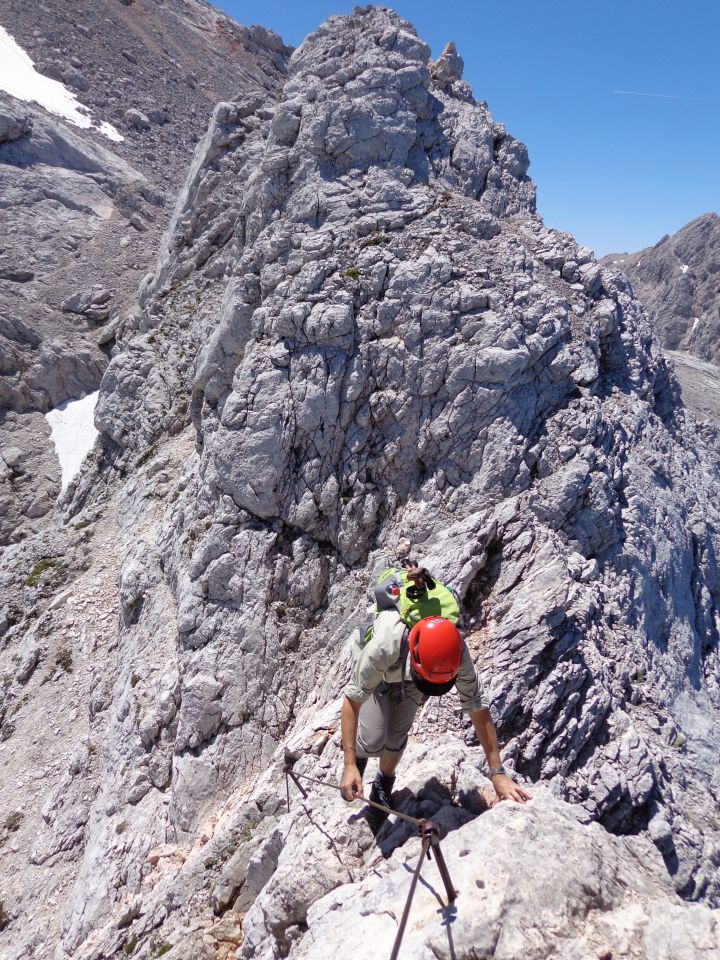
{"x": 430, "y": 841}
{"x": 442, "y": 867}
{"x": 408, "y": 902}
{"x": 301, "y": 788}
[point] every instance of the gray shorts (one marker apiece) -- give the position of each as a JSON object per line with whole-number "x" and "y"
{"x": 385, "y": 719}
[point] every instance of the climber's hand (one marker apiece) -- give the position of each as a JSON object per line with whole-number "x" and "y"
{"x": 507, "y": 789}
{"x": 351, "y": 785}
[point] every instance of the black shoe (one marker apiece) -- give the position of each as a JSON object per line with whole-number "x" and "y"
{"x": 380, "y": 792}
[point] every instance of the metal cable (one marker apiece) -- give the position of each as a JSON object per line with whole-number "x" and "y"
{"x": 429, "y": 834}
{"x": 371, "y": 803}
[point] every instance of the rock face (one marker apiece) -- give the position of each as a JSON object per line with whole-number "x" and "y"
{"x": 360, "y": 341}
{"x": 699, "y": 384}
{"x": 81, "y": 215}
{"x": 520, "y": 873}
{"x": 678, "y": 281}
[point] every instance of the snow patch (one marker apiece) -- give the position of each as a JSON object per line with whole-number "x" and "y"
{"x": 72, "y": 428}
{"x": 109, "y": 131}
{"x": 697, "y": 321}
{"x": 20, "y": 79}
{"x": 684, "y": 268}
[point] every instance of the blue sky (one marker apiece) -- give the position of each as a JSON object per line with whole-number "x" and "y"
{"x": 617, "y": 170}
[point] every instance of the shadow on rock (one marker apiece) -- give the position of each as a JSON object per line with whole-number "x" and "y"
{"x": 432, "y": 802}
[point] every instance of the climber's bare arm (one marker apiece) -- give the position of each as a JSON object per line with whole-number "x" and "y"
{"x": 505, "y": 788}
{"x": 351, "y": 784}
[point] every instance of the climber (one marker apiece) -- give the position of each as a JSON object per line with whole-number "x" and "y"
{"x": 396, "y": 668}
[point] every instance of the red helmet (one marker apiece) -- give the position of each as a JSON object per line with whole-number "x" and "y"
{"x": 435, "y": 653}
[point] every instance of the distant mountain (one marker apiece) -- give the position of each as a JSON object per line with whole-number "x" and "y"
{"x": 678, "y": 280}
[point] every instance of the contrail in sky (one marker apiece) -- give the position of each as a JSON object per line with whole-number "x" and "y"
{"x": 664, "y": 96}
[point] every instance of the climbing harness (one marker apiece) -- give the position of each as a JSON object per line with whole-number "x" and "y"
{"x": 427, "y": 829}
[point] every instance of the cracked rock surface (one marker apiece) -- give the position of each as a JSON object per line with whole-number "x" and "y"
{"x": 360, "y": 340}
{"x": 81, "y": 216}
{"x": 523, "y": 876}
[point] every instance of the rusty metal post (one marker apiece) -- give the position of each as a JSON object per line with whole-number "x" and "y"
{"x": 297, "y": 783}
{"x": 408, "y": 903}
{"x": 290, "y": 761}
{"x": 442, "y": 867}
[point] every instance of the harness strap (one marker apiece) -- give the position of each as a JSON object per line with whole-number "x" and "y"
{"x": 404, "y": 651}
{"x": 363, "y": 632}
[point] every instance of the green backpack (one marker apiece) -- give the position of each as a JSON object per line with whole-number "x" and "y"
{"x": 414, "y": 599}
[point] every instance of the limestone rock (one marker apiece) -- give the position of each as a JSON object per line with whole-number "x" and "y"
{"x": 699, "y": 385}
{"x": 70, "y": 196}
{"x": 449, "y": 66}
{"x": 443, "y": 370}
{"x": 137, "y": 120}
{"x": 13, "y": 124}
{"x": 532, "y": 882}
{"x": 361, "y": 342}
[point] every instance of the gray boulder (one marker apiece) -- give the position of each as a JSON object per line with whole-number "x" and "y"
{"x": 137, "y": 120}
{"x": 533, "y": 881}
{"x": 13, "y": 124}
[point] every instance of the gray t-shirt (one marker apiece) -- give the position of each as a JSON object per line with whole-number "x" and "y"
{"x": 379, "y": 660}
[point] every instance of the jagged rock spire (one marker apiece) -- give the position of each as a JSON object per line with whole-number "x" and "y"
{"x": 449, "y": 66}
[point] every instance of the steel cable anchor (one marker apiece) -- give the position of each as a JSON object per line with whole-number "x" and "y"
{"x": 290, "y": 760}
{"x": 429, "y": 835}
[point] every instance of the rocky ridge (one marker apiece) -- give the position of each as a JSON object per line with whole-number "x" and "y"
{"x": 678, "y": 281}
{"x": 388, "y": 352}
{"x": 82, "y": 216}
